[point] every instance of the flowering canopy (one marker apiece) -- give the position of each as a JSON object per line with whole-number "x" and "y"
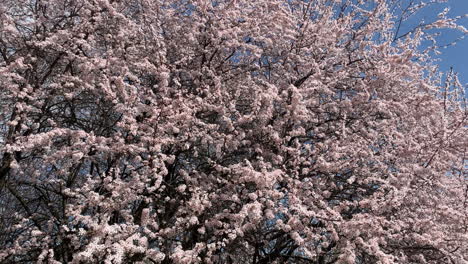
{"x": 267, "y": 131}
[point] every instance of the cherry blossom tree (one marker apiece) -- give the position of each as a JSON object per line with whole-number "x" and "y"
{"x": 267, "y": 131}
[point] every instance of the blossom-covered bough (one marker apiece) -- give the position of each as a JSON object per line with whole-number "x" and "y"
{"x": 267, "y": 131}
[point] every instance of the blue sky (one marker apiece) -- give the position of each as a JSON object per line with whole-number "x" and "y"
{"x": 453, "y": 56}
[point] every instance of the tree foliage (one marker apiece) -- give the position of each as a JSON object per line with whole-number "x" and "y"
{"x": 267, "y": 131}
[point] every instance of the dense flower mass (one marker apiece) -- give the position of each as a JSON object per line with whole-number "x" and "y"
{"x": 197, "y": 131}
